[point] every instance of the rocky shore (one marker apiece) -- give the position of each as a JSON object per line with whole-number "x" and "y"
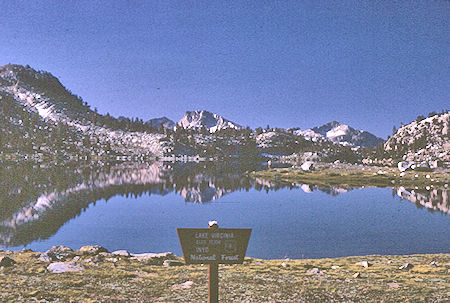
{"x": 92, "y": 274}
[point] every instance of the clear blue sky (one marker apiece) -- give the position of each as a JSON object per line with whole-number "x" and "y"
{"x": 370, "y": 64}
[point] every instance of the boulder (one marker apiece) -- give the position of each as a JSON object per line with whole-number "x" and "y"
{"x": 6, "y": 261}
{"x": 314, "y": 271}
{"x": 406, "y": 266}
{"x": 394, "y": 285}
{"x": 60, "y": 253}
{"x": 307, "y": 166}
{"x": 185, "y": 285}
{"x": 404, "y": 166}
{"x": 60, "y": 267}
{"x": 172, "y": 263}
{"x": 92, "y": 249}
{"x": 434, "y": 264}
{"x": 364, "y": 264}
{"x": 284, "y": 264}
{"x": 356, "y": 275}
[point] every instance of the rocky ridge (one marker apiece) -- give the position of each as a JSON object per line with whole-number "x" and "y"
{"x": 44, "y": 112}
{"x": 41, "y": 93}
{"x": 425, "y": 139}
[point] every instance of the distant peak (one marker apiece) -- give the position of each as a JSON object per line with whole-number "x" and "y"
{"x": 207, "y": 119}
{"x": 163, "y": 121}
{"x": 198, "y": 112}
{"x": 342, "y": 133}
{"x": 333, "y": 123}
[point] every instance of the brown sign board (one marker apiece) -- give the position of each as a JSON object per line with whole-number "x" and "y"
{"x": 214, "y": 246}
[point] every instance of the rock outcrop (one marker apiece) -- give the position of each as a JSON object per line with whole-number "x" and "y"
{"x": 425, "y": 139}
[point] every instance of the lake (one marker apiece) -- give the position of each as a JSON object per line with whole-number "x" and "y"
{"x": 138, "y": 206}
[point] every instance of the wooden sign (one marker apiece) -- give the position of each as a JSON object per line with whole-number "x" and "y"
{"x": 214, "y": 245}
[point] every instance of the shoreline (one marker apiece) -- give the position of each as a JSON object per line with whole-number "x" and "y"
{"x": 348, "y": 175}
{"x": 95, "y": 275}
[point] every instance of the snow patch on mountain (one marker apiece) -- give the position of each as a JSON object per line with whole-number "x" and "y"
{"x": 339, "y": 133}
{"x": 340, "y": 130}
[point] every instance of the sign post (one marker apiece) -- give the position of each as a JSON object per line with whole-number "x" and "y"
{"x": 213, "y": 246}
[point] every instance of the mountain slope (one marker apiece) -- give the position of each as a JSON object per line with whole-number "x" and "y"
{"x": 423, "y": 139}
{"x": 202, "y": 118}
{"x": 41, "y": 95}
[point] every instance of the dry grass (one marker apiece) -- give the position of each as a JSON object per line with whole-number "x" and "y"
{"x": 255, "y": 281}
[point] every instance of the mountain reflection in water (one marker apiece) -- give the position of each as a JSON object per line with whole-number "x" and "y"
{"x": 35, "y": 201}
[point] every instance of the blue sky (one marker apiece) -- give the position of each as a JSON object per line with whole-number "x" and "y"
{"x": 369, "y": 64}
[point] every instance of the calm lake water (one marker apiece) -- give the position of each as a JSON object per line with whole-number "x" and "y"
{"x": 139, "y": 206}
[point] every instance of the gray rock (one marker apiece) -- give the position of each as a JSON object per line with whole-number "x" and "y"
{"x": 394, "y": 285}
{"x": 172, "y": 263}
{"x": 185, "y": 285}
{"x": 6, "y": 261}
{"x": 404, "y": 166}
{"x": 307, "y": 166}
{"x": 121, "y": 252}
{"x": 364, "y": 264}
{"x": 406, "y": 266}
{"x": 284, "y": 264}
{"x": 152, "y": 258}
{"x": 60, "y": 267}
{"x": 434, "y": 264}
{"x": 60, "y": 253}
{"x": 45, "y": 258}
{"x": 314, "y": 271}
{"x": 335, "y": 266}
{"x": 92, "y": 249}
{"x": 356, "y": 275}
